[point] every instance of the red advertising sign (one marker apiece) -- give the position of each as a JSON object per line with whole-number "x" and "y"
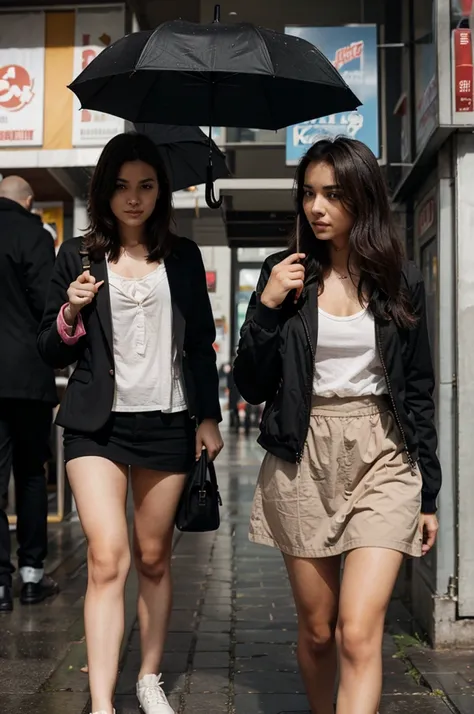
{"x": 463, "y": 71}
{"x": 211, "y": 280}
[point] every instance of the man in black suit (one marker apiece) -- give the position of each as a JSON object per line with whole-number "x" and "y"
{"x": 27, "y": 390}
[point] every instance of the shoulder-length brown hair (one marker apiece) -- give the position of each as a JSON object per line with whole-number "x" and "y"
{"x": 376, "y": 251}
{"x": 102, "y": 236}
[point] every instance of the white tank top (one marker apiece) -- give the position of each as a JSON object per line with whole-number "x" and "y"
{"x": 347, "y": 359}
{"x": 147, "y": 376}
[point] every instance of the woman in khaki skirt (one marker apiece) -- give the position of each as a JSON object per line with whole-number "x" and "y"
{"x": 336, "y": 343}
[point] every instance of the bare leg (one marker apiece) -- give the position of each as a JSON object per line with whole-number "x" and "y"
{"x": 367, "y": 584}
{"x": 156, "y": 496}
{"x": 315, "y": 585}
{"x": 100, "y": 489}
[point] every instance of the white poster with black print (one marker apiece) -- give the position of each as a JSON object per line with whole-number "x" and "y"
{"x": 96, "y": 29}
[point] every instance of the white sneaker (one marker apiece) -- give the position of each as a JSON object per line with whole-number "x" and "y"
{"x": 102, "y": 712}
{"x": 151, "y": 696}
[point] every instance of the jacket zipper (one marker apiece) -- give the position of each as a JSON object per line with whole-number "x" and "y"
{"x": 299, "y": 454}
{"x": 392, "y": 400}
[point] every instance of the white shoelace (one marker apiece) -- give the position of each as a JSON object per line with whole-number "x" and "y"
{"x": 154, "y": 694}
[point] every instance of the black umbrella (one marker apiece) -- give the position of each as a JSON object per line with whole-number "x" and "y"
{"x": 185, "y": 151}
{"x": 214, "y": 75}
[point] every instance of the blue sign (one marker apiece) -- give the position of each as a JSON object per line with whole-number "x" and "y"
{"x": 352, "y": 49}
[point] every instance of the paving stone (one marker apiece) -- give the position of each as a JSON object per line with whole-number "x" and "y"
{"x": 271, "y": 704}
{"x": 266, "y": 625}
{"x": 34, "y": 619}
{"x": 208, "y": 625}
{"x": 253, "y": 636}
{"x": 209, "y": 680}
{"x": 211, "y": 660}
{"x": 205, "y": 704}
{"x": 172, "y": 663}
{"x": 53, "y": 703}
{"x": 268, "y": 682}
{"x": 175, "y": 641}
{"x": 422, "y": 704}
{"x": 217, "y": 612}
{"x": 26, "y": 676}
{"x": 399, "y": 683}
{"x": 464, "y": 703}
{"x": 32, "y": 645}
{"x": 212, "y": 642}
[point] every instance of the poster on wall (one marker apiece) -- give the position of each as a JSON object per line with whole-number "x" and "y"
{"x": 95, "y": 30}
{"x": 21, "y": 79}
{"x": 52, "y": 215}
{"x": 352, "y": 49}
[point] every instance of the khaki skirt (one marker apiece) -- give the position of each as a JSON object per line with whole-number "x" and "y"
{"x": 353, "y": 489}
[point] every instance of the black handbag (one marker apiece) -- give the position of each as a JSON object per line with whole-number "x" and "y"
{"x": 198, "y": 508}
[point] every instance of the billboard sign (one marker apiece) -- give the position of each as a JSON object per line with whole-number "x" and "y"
{"x": 352, "y": 49}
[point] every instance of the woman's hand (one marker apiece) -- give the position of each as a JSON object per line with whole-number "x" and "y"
{"x": 429, "y": 529}
{"x": 80, "y": 293}
{"x": 285, "y": 277}
{"x": 208, "y": 437}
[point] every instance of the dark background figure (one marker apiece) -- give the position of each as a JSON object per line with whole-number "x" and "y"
{"x": 234, "y": 399}
{"x": 27, "y": 390}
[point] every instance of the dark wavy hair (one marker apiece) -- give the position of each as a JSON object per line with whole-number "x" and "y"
{"x": 376, "y": 252}
{"x": 102, "y": 236}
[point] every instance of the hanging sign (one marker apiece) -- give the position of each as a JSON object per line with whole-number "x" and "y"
{"x": 21, "y": 79}
{"x": 463, "y": 71}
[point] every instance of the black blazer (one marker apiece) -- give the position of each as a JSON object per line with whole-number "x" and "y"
{"x": 26, "y": 265}
{"x": 88, "y": 400}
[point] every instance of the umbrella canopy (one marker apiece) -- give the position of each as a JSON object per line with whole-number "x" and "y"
{"x": 185, "y": 151}
{"x": 215, "y": 75}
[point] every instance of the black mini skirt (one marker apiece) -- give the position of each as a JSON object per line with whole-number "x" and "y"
{"x": 151, "y": 440}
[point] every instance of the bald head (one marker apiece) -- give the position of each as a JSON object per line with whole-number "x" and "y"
{"x": 17, "y": 189}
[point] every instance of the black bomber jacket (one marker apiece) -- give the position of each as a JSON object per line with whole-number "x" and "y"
{"x": 275, "y": 365}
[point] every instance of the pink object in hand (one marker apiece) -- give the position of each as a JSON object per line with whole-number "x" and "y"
{"x": 65, "y": 330}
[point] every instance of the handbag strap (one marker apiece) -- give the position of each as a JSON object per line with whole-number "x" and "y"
{"x": 85, "y": 258}
{"x": 210, "y": 469}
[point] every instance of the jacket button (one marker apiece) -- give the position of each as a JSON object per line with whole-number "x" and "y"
{"x": 111, "y": 372}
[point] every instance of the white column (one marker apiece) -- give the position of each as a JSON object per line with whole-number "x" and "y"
{"x": 465, "y": 368}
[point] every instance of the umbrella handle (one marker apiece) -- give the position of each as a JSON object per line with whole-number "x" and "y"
{"x": 211, "y": 200}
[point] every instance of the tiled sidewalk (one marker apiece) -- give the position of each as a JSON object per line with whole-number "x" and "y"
{"x": 232, "y": 637}
{"x": 231, "y": 647}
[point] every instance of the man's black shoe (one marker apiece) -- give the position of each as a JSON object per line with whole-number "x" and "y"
{"x": 33, "y": 593}
{"x": 6, "y": 600}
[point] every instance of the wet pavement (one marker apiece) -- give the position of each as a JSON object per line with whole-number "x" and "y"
{"x": 231, "y": 645}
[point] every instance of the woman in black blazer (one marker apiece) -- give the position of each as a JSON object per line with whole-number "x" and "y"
{"x": 128, "y": 304}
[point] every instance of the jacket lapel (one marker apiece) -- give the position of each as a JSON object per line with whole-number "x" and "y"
{"x": 99, "y": 271}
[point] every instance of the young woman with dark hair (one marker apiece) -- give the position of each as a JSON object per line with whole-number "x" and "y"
{"x": 128, "y": 303}
{"x": 336, "y": 343}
